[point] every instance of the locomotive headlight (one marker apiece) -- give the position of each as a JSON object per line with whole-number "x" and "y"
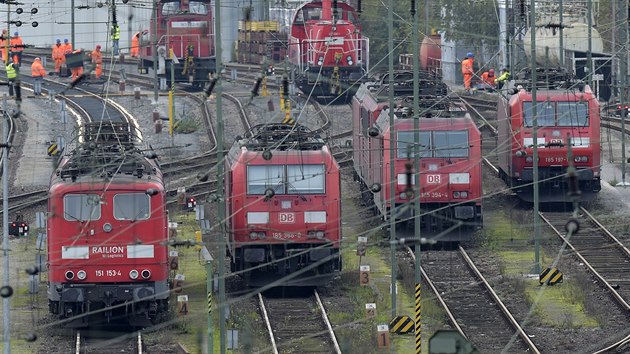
{"x": 315, "y": 234}
{"x": 456, "y": 195}
{"x": 463, "y": 194}
{"x": 581, "y": 159}
{"x": 529, "y": 159}
{"x": 81, "y": 274}
{"x": 521, "y": 153}
{"x": 69, "y": 274}
{"x": 253, "y": 235}
{"x": 133, "y": 274}
{"x": 349, "y": 60}
{"x": 403, "y": 195}
{"x": 320, "y": 61}
{"x": 146, "y": 274}
{"x": 262, "y": 235}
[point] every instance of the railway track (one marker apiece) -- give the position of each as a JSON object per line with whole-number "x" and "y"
{"x": 600, "y": 251}
{"x": 472, "y": 306}
{"x": 105, "y": 342}
{"x": 294, "y": 325}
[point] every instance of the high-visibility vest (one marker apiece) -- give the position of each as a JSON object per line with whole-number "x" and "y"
{"x": 116, "y": 32}
{"x": 11, "y": 72}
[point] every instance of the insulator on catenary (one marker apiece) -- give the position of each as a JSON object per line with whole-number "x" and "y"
{"x": 256, "y": 86}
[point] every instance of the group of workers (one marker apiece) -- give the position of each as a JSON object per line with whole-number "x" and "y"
{"x": 489, "y": 81}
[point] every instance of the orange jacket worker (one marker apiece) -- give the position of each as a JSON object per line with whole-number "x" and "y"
{"x": 76, "y": 70}
{"x": 38, "y": 72}
{"x": 467, "y": 69}
{"x": 58, "y": 55}
{"x": 97, "y": 59}
{"x": 135, "y": 45}
{"x": 488, "y": 77}
{"x": 17, "y": 46}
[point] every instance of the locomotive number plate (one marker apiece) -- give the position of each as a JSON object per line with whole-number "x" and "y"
{"x": 429, "y": 195}
{"x": 555, "y": 159}
{"x": 287, "y": 218}
{"x": 433, "y": 179}
{"x": 108, "y": 273}
{"x": 286, "y": 235}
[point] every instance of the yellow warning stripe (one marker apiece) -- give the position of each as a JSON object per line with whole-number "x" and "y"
{"x": 401, "y": 324}
{"x": 52, "y": 149}
{"x": 418, "y": 323}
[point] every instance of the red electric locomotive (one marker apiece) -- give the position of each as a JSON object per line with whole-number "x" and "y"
{"x": 328, "y": 51}
{"x": 107, "y": 232}
{"x": 450, "y": 158}
{"x": 187, "y": 28}
{"x": 566, "y": 110}
{"x": 284, "y": 207}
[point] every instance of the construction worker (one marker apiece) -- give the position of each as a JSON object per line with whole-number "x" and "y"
{"x": 97, "y": 59}
{"x": 4, "y": 41}
{"x": 17, "y": 46}
{"x": 12, "y": 73}
{"x": 135, "y": 44}
{"x": 37, "y": 72}
{"x": 77, "y": 67}
{"x": 467, "y": 70}
{"x": 67, "y": 46}
{"x": 505, "y": 76}
{"x": 115, "y": 32}
{"x": 487, "y": 80}
{"x": 58, "y": 55}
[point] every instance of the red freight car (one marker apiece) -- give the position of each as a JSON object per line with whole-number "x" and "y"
{"x": 566, "y": 110}
{"x": 450, "y": 157}
{"x": 328, "y": 51}
{"x": 107, "y": 232}
{"x": 284, "y": 207}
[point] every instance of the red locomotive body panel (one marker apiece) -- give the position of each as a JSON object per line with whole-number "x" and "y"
{"x": 107, "y": 232}
{"x": 186, "y": 28}
{"x": 450, "y": 172}
{"x": 328, "y": 50}
{"x": 563, "y": 115}
{"x": 284, "y": 212}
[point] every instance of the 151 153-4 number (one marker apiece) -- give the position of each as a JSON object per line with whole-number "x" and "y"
{"x": 108, "y": 273}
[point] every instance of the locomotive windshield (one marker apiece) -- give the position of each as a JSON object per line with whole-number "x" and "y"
{"x": 561, "y": 114}
{"x": 132, "y": 206}
{"x": 286, "y": 179}
{"x": 81, "y": 207}
{"x": 194, "y": 7}
{"x": 438, "y": 144}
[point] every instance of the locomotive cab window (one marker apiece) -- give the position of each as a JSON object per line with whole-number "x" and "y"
{"x": 305, "y": 179}
{"x": 405, "y": 144}
{"x": 259, "y": 178}
{"x": 545, "y": 111}
{"x": 572, "y": 114}
{"x": 450, "y": 143}
{"x": 197, "y": 8}
{"x": 170, "y": 8}
{"x": 81, "y": 207}
{"x": 286, "y": 179}
{"x": 132, "y": 206}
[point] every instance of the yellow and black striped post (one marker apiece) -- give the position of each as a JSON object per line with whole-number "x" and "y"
{"x": 209, "y": 302}
{"x": 418, "y": 328}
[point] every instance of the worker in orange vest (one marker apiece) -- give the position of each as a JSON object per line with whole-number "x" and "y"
{"x": 37, "y": 72}
{"x": 16, "y": 46}
{"x": 58, "y": 55}
{"x": 487, "y": 80}
{"x": 4, "y": 40}
{"x": 135, "y": 45}
{"x": 76, "y": 70}
{"x": 97, "y": 59}
{"x": 467, "y": 70}
{"x": 67, "y": 46}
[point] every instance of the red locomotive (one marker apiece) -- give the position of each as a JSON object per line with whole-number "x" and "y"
{"x": 187, "y": 28}
{"x": 284, "y": 207}
{"x": 328, "y": 51}
{"x": 107, "y": 232}
{"x": 566, "y": 111}
{"x": 450, "y": 157}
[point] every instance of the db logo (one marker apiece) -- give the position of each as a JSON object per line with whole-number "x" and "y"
{"x": 433, "y": 179}
{"x": 287, "y": 218}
